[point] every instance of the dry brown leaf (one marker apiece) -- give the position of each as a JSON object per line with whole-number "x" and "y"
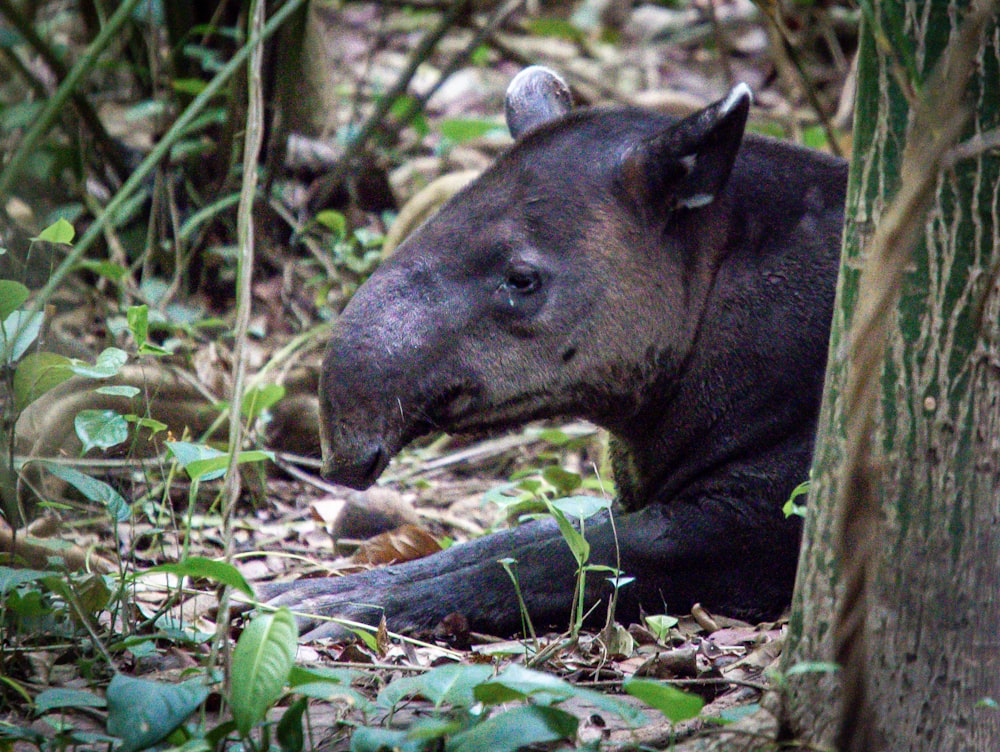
{"x": 405, "y": 543}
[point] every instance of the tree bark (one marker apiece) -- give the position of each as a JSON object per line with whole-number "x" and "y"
{"x": 934, "y": 588}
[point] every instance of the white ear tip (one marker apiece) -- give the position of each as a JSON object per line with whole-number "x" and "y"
{"x": 739, "y": 92}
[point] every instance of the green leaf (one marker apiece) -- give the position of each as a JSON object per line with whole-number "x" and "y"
{"x": 215, "y": 467}
{"x": 673, "y": 703}
{"x": 142, "y": 713}
{"x": 10, "y": 578}
{"x": 262, "y": 659}
{"x": 582, "y": 507}
{"x": 106, "y": 269}
{"x": 52, "y": 699}
{"x": 120, "y": 390}
{"x": 289, "y": 732}
{"x": 100, "y": 428}
{"x": 258, "y": 399}
{"x": 334, "y": 221}
{"x": 59, "y": 231}
{"x": 370, "y": 739}
{"x": 93, "y": 489}
{"x": 518, "y": 683}
{"x": 460, "y": 130}
{"x": 186, "y": 452}
{"x": 17, "y": 333}
{"x": 138, "y": 323}
{"x": 563, "y": 481}
{"x": 12, "y": 296}
{"x": 153, "y": 426}
{"x": 452, "y": 683}
{"x": 36, "y": 374}
{"x": 202, "y": 567}
{"x": 108, "y": 364}
{"x": 515, "y": 729}
{"x": 660, "y": 625}
{"x": 577, "y": 543}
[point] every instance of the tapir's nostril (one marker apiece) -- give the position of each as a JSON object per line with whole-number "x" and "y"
{"x": 375, "y": 463}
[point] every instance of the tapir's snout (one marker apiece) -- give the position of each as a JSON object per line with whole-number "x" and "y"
{"x": 360, "y": 470}
{"x": 355, "y": 434}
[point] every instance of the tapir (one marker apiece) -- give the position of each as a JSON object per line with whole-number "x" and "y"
{"x": 670, "y": 280}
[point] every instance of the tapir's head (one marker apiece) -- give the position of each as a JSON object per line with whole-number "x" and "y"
{"x": 567, "y": 280}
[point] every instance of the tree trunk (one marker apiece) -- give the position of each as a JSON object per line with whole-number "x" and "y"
{"x": 934, "y": 591}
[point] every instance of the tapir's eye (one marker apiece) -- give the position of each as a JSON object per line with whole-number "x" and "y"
{"x": 522, "y": 281}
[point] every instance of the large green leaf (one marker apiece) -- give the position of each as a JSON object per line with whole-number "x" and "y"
{"x": 53, "y": 699}
{"x": 142, "y": 712}
{"x": 102, "y": 429}
{"x": 518, "y": 683}
{"x": 202, "y": 567}
{"x": 17, "y": 333}
{"x": 672, "y": 702}
{"x": 37, "y": 373}
{"x": 108, "y": 364}
{"x": 452, "y": 683}
{"x": 516, "y": 728}
{"x": 93, "y": 489}
{"x": 261, "y": 663}
{"x": 12, "y": 295}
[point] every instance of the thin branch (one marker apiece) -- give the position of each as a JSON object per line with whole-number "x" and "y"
{"x": 253, "y": 140}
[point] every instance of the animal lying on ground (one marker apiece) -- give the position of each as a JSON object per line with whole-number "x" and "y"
{"x": 671, "y": 281}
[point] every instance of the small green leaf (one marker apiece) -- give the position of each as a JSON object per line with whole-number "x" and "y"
{"x": 142, "y": 713}
{"x": 460, "y": 130}
{"x": 93, "y": 489}
{"x": 17, "y": 333}
{"x": 577, "y": 543}
{"x": 153, "y": 426}
{"x": 52, "y": 699}
{"x": 12, "y": 296}
{"x": 334, "y": 221}
{"x": 660, "y": 625}
{"x": 108, "y": 364}
{"x": 186, "y": 452}
{"x": 582, "y": 507}
{"x": 202, "y": 567}
{"x": 258, "y": 399}
{"x": 106, "y": 269}
{"x": 138, "y": 323}
{"x": 121, "y": 390}
{"x": 215, "y": 467}
{"x": 673, "y": 703}
{"x": 289, "y": 732}
{"x": 36, "y": 374}
{"x": 563, "y": 481}
{"x": 60, "y": 231}
{"x": 100, "y": 428}
{"x": 516, "y": 729}
{"x": 262, "y": 659}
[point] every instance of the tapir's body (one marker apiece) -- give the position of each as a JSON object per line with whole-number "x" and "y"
{"x": 672, "y": 282}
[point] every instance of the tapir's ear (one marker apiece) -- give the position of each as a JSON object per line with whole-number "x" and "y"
{"x": 687, "y": 165}
{"x": 535, "y": 96}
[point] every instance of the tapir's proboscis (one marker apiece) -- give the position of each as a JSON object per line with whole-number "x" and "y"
{"x": 669, "y": 280}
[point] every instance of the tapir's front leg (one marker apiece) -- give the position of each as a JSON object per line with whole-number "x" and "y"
{"x": 678, "y": 553}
